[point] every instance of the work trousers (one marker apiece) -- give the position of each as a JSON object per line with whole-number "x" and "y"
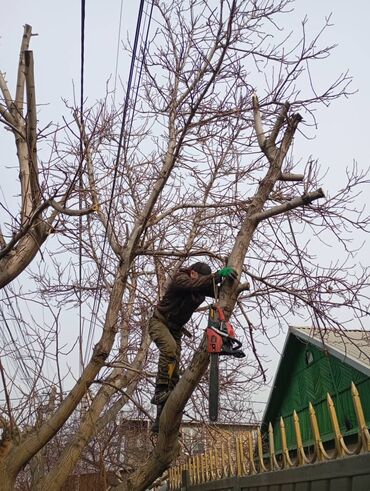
{"x": 169, "y": 345}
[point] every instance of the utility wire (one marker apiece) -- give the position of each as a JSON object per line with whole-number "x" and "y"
{"x": 97, "y": 298}
{"x": 128, "y": 133}
{"x": 137, "y": 80}
{"x": 136, "y": 84}
{"x": 83, "y": 16}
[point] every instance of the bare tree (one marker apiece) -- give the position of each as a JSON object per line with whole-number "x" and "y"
{"x": 30, "y": 228}
{"x": 207, "y": 170}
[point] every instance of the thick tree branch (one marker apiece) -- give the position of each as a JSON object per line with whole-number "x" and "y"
{"x": 275, "y": 156}
{"x": 19, "y": 93}
{"x": 90, "y": 423}
{"x": 291, "y": 177}
{"x": 5, "y": 248}
{"x": 73, "y": 213}
{"x": 292, "y": 122}
{"x": 15, "y": 261}
{"x": 261, "y": 137}
{"x": 280, "y": 120}
{"x": 19, "y": 455}
{"x": 167, "y": 445}
{"x": 6, "y": 111}
{"x": 31, "y": 129}
{"x": 289, "y": 205}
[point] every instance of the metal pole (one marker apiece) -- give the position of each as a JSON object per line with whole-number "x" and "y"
{"x": 185, "y": 480}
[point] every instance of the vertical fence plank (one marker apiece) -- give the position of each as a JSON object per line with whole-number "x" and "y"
{"x": 228, "y": 461}
{"x": 364, "y": 432}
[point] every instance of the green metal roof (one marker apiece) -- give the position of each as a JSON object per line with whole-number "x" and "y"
{"x": 351, "y": 347}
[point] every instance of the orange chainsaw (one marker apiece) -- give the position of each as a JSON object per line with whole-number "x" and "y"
{"x": 220, "y": 341}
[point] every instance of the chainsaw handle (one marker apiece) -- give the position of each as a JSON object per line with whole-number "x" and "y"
{"x": 237, "y": 343}
{"x": 220, "y": 312}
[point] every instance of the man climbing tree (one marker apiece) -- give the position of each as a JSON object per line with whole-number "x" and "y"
{"x": 186, "y": 292}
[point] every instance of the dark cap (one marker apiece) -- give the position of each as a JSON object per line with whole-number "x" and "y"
{"x": 201, "y": 268}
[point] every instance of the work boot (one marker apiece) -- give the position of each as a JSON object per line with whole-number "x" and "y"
{"x": 161, "y": 394}
{"x": 155, "y": 426}
{"x": 160, "y": 397}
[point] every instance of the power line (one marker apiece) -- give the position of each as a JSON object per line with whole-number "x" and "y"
{"x": 137, "y": 80}
{"x": 83, "y": 16}
{"x": 128, "y": 134}
{"x": 97, "y": 298}
{"x": 136, "y": 83}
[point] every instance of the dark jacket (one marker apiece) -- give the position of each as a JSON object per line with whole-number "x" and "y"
{"x": 184, "y": 295}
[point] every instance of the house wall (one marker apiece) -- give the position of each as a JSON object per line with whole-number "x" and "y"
{"x": 307, "y": 375}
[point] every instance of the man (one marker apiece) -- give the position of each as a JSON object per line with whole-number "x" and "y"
{"x": 185, "y": 293}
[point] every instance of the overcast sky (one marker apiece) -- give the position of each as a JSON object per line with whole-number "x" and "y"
{"x": 342, "y": 135}
{"x": 343, "y": 132}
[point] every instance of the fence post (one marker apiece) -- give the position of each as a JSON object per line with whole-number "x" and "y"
{"x": 236, "y": 484}
{"x": 185, "y": 480}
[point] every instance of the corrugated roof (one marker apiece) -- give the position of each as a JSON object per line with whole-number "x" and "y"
{"x": 352, "y": 346}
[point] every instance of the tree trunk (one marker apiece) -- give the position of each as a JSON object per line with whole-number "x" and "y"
{"x": 167, "y": 445}
{"x": 7, "y": 479}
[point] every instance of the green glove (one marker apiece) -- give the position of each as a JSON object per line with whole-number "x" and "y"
{"x": 228, "y": 273}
